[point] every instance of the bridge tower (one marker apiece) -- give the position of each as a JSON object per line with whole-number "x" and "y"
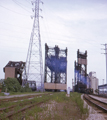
{"x": 80, "y": 71}
{"x": 55, "y": 73}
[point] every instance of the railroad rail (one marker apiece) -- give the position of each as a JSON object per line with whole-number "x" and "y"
{"x": 23, "y": 106}
{"x": 100, "y": 104}
{"x": 20, "y": 98}
{"x": 99, "y": 95}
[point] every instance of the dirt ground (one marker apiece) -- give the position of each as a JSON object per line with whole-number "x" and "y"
{"x": 59, "y": 111}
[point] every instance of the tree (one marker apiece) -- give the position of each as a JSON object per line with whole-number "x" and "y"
{"x": 11, "y": 84}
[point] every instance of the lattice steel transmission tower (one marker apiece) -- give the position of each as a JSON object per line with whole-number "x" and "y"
{"x": 34, "y": 63}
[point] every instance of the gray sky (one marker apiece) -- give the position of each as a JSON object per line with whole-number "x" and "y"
{"x": 75, "y": 24}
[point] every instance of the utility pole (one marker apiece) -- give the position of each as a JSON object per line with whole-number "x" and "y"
{"x": 34, "y": 64}
{"x": 106, "y": 58}
{"x": 72, "y": 86}
{"x": 103, "y": 81}
{"x": 103, "y": 87}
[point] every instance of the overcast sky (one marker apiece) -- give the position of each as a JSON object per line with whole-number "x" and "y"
{"x": 75, "y": 24}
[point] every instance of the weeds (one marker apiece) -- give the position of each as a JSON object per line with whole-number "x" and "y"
{"x": 77, "y": 98}
{"x": 58, "y": 107}
{"x": 2, "y": 94}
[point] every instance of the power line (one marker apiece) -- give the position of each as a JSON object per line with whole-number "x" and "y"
{"x": 16, "y": 25}
{"x": 11, "y": 36}
{"x": 14, "y": 47}
{"x": 20, "y": 5}
{"x": 27, "y": 1}
{"x": 13, "y": 11}
{"x": 13, "y": 41}
{"x": 56, "y": 39}
{"x": 12, "y": 30}
{"x": 15, "y": 51}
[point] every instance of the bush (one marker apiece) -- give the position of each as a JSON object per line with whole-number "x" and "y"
{"x": 0, "y": 86}
{"x": 11, "y": 85}
{"x": 26, "y": 88}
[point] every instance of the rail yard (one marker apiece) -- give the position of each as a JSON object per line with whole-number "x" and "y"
{"x": 44, "y": 107}
{"x": 51, "y": 105}
{"x": 17, "y": 105}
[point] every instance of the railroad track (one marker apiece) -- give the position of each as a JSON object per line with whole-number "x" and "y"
{"x": 97, "y": 103}
{"x": 8, "y": 112}
{"x": 19, "y": 98}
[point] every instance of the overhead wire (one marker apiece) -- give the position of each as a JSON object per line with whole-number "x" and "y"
{"x": 13, "y": 11}
{"x": 85, "y": 39}
{"x": 11, "y": 36}
{"x": 13, "y": 41}
{"x": 12, "y": 51}
{"x": 12, "y": 30}
{"x": 48, "y": 35}
{"x": 13, "y": 47}
{"x": 16, "y": 25}
{"x": 21, "y": 5}
{"x": 55, "y": 38}
{"x": 64, "y": 35}
{"x": 27, "y": 1}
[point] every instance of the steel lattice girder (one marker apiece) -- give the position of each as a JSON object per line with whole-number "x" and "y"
{"x": 80, "y": 70}
{"x": 55, "y": 64}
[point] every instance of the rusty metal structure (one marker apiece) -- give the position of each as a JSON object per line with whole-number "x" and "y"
{"x": 80, "y": 72}
{"x": 55, "y": 73}
{"x": 14, "y": 70}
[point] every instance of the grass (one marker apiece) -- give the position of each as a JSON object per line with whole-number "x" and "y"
{"x": 62, "y": 108}
{"x": 77, "y": 98}
{"x": 2, "y": 94}
{"x": 59, "y": 107}
{"x": 20, "y": 93}
{"x": 35, "y": 99}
